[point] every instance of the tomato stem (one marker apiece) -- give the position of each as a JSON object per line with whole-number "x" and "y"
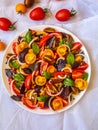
{"x": 12, "y": 27}
{"x": 73, "y": 12}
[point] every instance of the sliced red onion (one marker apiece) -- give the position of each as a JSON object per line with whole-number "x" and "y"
{"x": 11, "y": 88}
{"x": 49, "y": 103}
{"x": 35, "y": 38}
{"x": 68, "y": 47}
{"x": 10, "y": 58}
{"x": 62, "y": 77}
{"x": 19, "y": 61}
{"x": 53, "y": 95}
{"x": 67, "y": 68}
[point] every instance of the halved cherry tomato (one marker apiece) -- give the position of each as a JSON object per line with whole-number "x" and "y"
{"x": 48, "y": 52}
{"x": 28, "y": 81}
{"x": 57, "y": 104}
{"x": 15, "y": 48}
{"x": 40, "y": 80}
{"x": 22, "y": 46}
{"x": 77, "y": 73}
{"x": 61, "y": 50}
{"x": 41, "y": 105}
{"x": 43, "y": 67}
{"x": 56, "y": 74}
{"x": 65, "y": 101}
{"x": 28, "y": 103}
{"x": 51, "y": 69}
{"x": 15, "y": 89}
{"x": 30, "y": 58}
{"x": 81, "y": 84}
{"x": 83, "y": 66}
{"x": 76, "y": 45}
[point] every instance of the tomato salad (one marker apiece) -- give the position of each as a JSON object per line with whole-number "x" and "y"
{"x": 46, "y": 69}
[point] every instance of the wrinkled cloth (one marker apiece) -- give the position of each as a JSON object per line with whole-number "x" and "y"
{"x": 83, "y": 115}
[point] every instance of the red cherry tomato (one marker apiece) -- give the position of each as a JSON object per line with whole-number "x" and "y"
{"x": 28, "y": 81}
{"x": 77, "y": 73}
{"x": 64, "y": 14}
{"x": 6, "y": 24}
{"x": 37, "y": 14}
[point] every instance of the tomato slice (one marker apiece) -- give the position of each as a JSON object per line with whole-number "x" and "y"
{"x": 28, "y": 81}
{"x": 15, "y": 89}
{"x": 76, "y": 45}
{"x": 43, "y": 67}
{"x": 83, "y": 66}
{"x": 77, "y": 73}
{"x": 61, "y": 73}
{"x": 15, "y": 48}
{"x": 28, "y": 103}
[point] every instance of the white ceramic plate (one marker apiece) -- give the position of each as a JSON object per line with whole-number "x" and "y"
{"x": 40, "y": 111}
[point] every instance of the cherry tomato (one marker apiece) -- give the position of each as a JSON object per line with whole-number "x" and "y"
{"x": 2, "y": 46}
{"x": 28, "y": 81}
{"x": 28, "y": 103}
{"x": 21, "y": 8}
{"x": 77, "y": 73}
{"x": 37, "y": 14}
{"x": 6, "y": 24}
{"x": 64, "y": 14}
{"x": 83, "y": 66}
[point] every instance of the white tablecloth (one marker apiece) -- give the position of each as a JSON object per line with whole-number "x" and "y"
{"x": 84, "y": 115}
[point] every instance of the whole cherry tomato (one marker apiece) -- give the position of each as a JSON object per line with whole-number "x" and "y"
{"x": 64, "y": 14}
{"x": 6, "y": 24}
{"x": 20, "y": 8}
{"x": 37, "y": 14}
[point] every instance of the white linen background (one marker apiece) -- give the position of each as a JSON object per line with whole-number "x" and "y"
{"x": 82, "y": 116}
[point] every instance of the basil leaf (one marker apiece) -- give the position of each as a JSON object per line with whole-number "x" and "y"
{"x": 18, "y": 77}
{"x": 62, "y": 42}
{"x": 43, "y": 98}
{"x": 70, "y": 58}
{"x": 47, "y": 75}
{"x": 68, "y": 82}
{"x": 28, "y": 36}
{"x": 85, "y": 76}
{"x": 14, "y": 64}
{"x": 35, "y": 48}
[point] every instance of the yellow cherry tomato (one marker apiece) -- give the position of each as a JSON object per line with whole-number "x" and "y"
{"x": 40, "y": 80}
{"x": 81, "y": 84}
{"x": 21, "y": 8}
{"x": 48, "y": 52}
{"x": 78, "y": 58}
{"x": 30, "y": 58}
{"x": 2, "y": 46}
{"x": 22, "y": 46}
{"x": 61, "y": 50}
{"x": 51, "y": 69}
{"x": 57, "y": 104}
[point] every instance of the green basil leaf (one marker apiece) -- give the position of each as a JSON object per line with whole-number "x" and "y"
{"x": 70, "y": 58}
{"x": 14, "y": 64}
{"x": 62, "y": 42}
{"x": 85, "y": 76}
{"x": 18, "y": 77}
{"x": 35, "y": 48}
{"x": 28, "y": 36}
{"x": 68, "y": 82}
{"x": 42, "y": 98}
{"x": 47, "y": 75}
